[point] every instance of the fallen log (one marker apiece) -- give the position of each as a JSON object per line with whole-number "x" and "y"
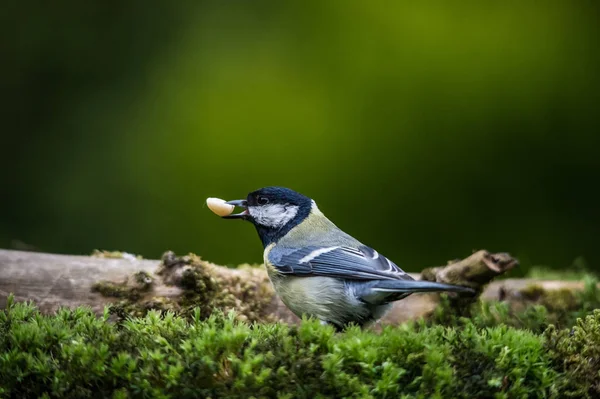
{"x": 133, "y": 285}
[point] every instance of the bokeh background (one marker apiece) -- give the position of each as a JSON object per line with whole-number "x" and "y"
{"x": 425, "y": 130}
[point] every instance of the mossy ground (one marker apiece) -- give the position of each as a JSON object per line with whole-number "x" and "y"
{"x": 492, "y": 353}
{"x": 194, "y": 346}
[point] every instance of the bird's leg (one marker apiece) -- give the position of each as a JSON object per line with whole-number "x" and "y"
{"x": 336, "y": 327}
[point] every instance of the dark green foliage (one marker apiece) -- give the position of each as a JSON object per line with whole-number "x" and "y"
{"x": 74, "y": 354}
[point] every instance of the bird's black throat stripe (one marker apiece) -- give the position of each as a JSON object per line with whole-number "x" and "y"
{"x": 269, "y": 235}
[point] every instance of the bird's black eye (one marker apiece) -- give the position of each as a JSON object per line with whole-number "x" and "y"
{"x": 262, "y": 200}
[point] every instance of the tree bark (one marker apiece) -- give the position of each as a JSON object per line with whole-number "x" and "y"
{"x": 52, "y": 281}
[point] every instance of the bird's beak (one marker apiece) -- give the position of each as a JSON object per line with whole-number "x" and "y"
{"x": 241, "y": 215}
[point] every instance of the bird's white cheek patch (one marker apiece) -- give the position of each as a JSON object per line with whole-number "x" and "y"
{"x": 275, "y": 215}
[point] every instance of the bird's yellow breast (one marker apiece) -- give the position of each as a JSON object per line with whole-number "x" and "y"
{"x": 322, "y": 297}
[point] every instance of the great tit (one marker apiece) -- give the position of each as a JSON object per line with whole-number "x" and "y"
{"x": 320, "y": 271}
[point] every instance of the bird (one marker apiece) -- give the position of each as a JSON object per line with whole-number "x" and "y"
{"x": 320, "y": 271}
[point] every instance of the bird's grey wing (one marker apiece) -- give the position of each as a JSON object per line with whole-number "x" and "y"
{"x": 372, "y": 277}
{"x": 361, "y": 263}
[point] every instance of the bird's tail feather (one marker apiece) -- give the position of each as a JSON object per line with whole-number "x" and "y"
{"x": 410, "y": 286}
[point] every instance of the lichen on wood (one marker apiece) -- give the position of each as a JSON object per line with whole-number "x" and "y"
{"x": 475, "y": 271}
{"x": 202, "y": 285}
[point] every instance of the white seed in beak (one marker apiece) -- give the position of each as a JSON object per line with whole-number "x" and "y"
{"x": 219, "y": 207}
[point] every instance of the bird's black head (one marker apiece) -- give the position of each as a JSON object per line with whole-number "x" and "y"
{"x": 274, "y": 211}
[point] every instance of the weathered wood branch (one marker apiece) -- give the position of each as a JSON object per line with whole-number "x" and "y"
{"x": 52, "y": 280}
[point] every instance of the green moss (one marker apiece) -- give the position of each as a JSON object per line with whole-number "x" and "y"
{"x": 535, "y": 310}
{"x": 565, "y": 306}
{"x": 556, "y": 301}
{"x": 532, "y": 292}
{"x": 131, "y": 289}
{"x": 114, "y": 254}
{"x": 111, "y": 289}
{"x": 575, "y": 353}
{"x": 143, "y": 279}
{"x": 74, "y": 354}
{"x": 201, "y": 289}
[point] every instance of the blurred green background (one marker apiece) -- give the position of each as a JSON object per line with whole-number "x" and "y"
{"x": 425, "y": 130}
